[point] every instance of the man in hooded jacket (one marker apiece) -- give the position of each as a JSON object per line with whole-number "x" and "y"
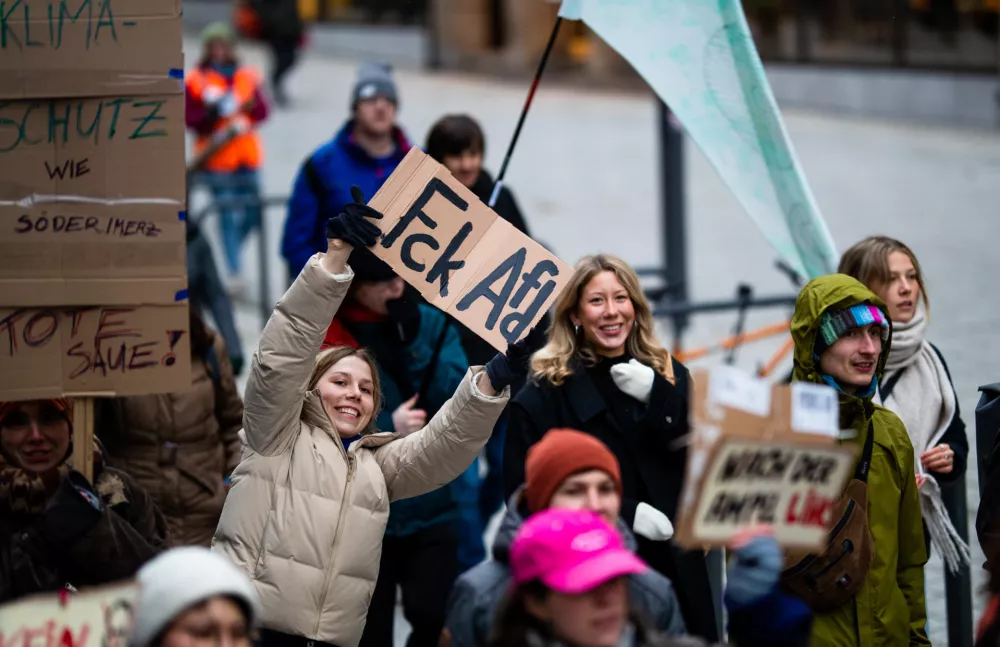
{"x": 889, "y": 608}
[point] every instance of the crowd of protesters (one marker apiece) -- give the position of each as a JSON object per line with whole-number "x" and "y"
{"x": 351, "y": 469}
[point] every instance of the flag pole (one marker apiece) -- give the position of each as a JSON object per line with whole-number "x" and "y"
{"x": 524, "y": 112}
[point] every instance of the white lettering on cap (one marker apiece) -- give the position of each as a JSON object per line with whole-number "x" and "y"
{"x": 590, "y": 541}
{"x": 367, "y": 91}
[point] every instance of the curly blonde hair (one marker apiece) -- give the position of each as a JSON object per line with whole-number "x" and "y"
{"x": 551, "y": 362}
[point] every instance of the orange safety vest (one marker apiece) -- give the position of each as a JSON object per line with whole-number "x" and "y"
{"x": 244, "y": 150}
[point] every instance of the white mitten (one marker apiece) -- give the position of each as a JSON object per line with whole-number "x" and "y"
{"x": 228, "y": 105}
{"x": 634, "y": 379}
{"x": 212, "y": 95}
{"x": 651, "y": 523}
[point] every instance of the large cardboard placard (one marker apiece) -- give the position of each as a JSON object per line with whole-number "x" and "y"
{"x": 97, "y": 150}
{"x": 461, "y": 256}
{"x": 762, "y": 454}
{"x": 88, "y": 351}
{"x": 98, "y": 617}
{"x": 80, "y": 48}
{"x": 74, "y": 254}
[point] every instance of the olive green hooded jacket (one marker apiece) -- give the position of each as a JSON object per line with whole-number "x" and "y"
{"x": 889, "y": 608}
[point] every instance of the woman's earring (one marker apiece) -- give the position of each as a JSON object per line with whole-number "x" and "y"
{"x": 576, "y": 330}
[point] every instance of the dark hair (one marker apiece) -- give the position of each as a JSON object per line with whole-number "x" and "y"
{"x": 512, "y": 622}
{"x": 453, "y": 135}
{"x": 201, "y": 335}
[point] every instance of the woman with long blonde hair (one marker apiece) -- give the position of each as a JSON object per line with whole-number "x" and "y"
{"x": 604, "y": 372}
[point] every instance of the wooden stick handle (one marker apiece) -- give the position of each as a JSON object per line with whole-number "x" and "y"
{"x": 83, "y": 436}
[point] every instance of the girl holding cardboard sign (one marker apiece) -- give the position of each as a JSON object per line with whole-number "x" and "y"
{"x": 309, "y": 503}
{"x": 603, "y": 372}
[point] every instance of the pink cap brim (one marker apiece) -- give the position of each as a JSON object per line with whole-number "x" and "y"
{"x": 592, "y": 573}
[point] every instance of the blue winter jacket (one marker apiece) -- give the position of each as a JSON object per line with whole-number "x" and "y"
{"x": 339, "y": 164}
{"x": 408, "y": 516}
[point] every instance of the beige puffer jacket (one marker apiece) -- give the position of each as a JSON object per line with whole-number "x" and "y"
{"x": 305, "y": 518}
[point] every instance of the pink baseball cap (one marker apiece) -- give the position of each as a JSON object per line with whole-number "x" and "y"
{"x": 570, "y": 551}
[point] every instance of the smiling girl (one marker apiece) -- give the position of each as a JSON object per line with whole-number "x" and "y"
{"x": 603, "y": 372}
{"x": 309, "y": 502}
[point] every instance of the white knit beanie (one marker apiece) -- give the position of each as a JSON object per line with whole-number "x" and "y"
{"x": 181, "y": 578}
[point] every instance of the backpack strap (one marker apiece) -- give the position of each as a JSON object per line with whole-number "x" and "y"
{"x": 885, "y": 388}
{"x": 315, "y": 183}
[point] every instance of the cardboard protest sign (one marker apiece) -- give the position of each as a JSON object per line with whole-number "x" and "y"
{"x": 98, "y": 150}
{"x": 99, "y": 617}
{"x": 79, "y": 48}
{"x": 762, "y": 454}
{"x": 68, "y": 254}
{"x": 461, "y": 256}
{"x": 49, "y": 352}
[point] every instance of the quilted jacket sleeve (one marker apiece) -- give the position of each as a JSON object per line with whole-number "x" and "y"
{"x": 285, "y": 356}
{"x": 435, "y": 455}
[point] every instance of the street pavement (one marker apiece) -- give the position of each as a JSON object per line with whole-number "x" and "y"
{"x": 586, "y": 175}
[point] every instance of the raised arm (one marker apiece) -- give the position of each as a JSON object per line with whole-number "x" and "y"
{"x": 449, "y": 443}
{"x": 293, "y": 335}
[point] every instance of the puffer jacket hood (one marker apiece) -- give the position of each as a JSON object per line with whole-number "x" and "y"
{"x": 833, "y": 292}
{"x": 889, "y": 608}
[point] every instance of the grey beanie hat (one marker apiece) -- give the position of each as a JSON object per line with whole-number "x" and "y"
{"x": 374, "y": 80}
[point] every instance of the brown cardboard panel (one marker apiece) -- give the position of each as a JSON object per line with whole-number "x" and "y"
{"x": 78, "y": 254}
{"x": 79, "y": 48}
{"x": 761, "y": 453}
{"x": 499, "y": 281}
{"x": 103, "y": 149}
{"x": 48, "y": 352}
{"x": 516, "y": 283}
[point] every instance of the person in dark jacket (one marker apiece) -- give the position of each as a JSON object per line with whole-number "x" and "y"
{"x": 571, "y": 572}
{"x": 420, "y": 364}
{"x": 57, "y": 529}
{"x": 566, "y": 469}
{"x": 364, "y": 153}
{"x": 206, "y": 292}
{"x": 604, "y": 373}
{"x": 457, "y": 142}
{"x": 917, "y": 385}
{"x": 282, "y": 29}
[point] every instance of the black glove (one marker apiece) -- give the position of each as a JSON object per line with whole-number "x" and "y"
{"x": 512, "y": 367}
{"x": 351, "y": 226}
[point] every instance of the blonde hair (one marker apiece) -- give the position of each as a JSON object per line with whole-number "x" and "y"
{"x": 551, "y": 362}
{"x": 328, "y": 358}
{"x": 868, "y": 262}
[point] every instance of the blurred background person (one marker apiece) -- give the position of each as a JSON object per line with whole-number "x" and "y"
{"x": 58, "y": 529}
{"x": 457, "y": 141}
{"x": 207, "y": 293}
{"x": 604, "y": 372}
{"x": 917, "y": 385}
{"x": 571, "y": 470}
{"x": 181, "y": 447}
{"x": 364, "y": 153}
{"x": 224, "y": 105}
{"x": 280, "y": 26}
{"x": 841, "y": 333}
{"x": 420, "y": 364}
{"x": 571, "y": 571}
{"x": 191, "y": 595}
